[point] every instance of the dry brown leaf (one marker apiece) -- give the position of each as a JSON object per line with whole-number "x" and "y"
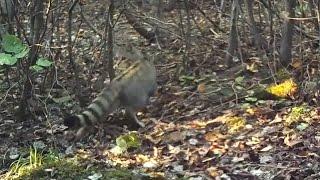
{"x": 213, "y": 171}
{"x": 292, "y": 140}
{"x": 175, "y": 136}
{"x": 201, "y": 88}
{"x": 267, "y": 148}
{"x": 296, "y": 63}
{"x": 214, "y": 136}
{"x": 218, "y": 149}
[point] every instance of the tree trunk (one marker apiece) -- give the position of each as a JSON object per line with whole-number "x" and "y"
{"x": 287, "y": 34}
{"x": 110, "y": 40}
{"x": 233, "y": 36}
{"x": 259, "y": 41}
{"x": 37, "y": 28}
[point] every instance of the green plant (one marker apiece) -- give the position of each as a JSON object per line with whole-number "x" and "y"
{"x": 24, "y": 165}
{"x": 124, "y": 142}
{"x": 302, "y": 9}
{"x": 41, "y": 64}
{"x": 14, "y": 49}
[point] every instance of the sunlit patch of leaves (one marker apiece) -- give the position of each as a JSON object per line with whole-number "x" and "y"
{"x": 285, "y": 89}
{"x": 124, "y": 142}
{"x": 298, "y": 114}
{"x": 235, "y": 123}
{"x": 23, "y": 166}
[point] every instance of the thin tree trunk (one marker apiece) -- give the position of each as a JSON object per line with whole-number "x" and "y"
{"x": 233, "y": 36}
{"x": 110, "y": 40}
{"x": 37, "y": 26}
{"x": 259, "y": 41}
{"x": 287, "y": 34}
{"x": 187, "y": 37}
{"x": 6, "y": 16}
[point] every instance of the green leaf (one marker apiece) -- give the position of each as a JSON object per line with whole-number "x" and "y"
{"x": 128, "y": 140}
{"x": 251, "y": 99}
{"x": 239, "y": 79}
{"x": 63, "y": 99}
{"x": 43, "y": 62}
{"x": 23, "y": 53}
{"x": 12, "y": 44}
{"x": 121, "y": 142}
{"x": 187, "y": 78}
{"x": 261, "y": 101}
{"x": 7, "y": 59}
{"x": 302, "y": 126}
{"x": 245, "y": 105}
{"x": 36, "y": 68}
{"x": 133, "y": 140}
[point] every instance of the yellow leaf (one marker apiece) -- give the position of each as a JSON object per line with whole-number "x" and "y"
{"x": 284, "y": 90}
{"x": 235, "y": 123}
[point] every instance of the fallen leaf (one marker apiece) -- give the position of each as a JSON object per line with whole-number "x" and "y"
{"x": 175, "y": 136}
{"x": 95, "y": 176}
{"x": 201, "y": 88}
{"x": 151, "y": 164}
{"x": 213, "y": 171}
{"x": 237, "y": 159}
{"x": 264, "y": 159}
{"x": 292, "y": 141}
{"x": 214, "y": 136}
{"x": 193, "y": 141}
{"x": 267, "y": 148}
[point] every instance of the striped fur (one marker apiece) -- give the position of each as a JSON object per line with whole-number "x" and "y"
{"x": 131, "y": 90}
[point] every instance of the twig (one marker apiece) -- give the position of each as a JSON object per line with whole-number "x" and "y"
{"x": 7, "y": 92}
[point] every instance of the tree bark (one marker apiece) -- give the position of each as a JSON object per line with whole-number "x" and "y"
{"x": 37, "y": 28}
{"x": 287, "y": 34}
{"x": 233, "y": 36}
{"x": 259, "y": 41}
{"x": 110, "y": 40}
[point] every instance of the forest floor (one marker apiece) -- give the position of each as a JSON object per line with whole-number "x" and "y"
{"x": 204, "y": 124}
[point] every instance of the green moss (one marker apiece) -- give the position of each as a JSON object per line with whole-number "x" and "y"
{"x": 68, "y": 169}
{"x": 51, "y": 166}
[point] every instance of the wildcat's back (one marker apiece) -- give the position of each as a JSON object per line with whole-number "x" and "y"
{"x": 139, "y": 86}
